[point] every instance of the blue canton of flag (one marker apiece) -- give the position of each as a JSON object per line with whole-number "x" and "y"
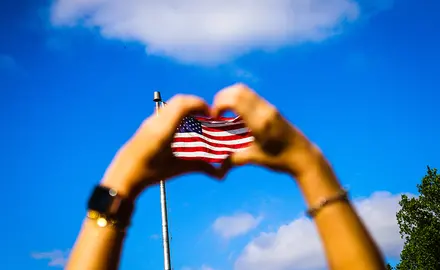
{"x": 190, "y": 124}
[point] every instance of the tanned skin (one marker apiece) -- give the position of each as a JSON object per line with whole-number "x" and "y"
{"x": 147, "y": 158}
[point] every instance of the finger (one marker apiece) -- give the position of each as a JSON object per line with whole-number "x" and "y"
{"x": 254, "y": 110}
{"x": 232, "y": 98}
{"x": 180, "y": 106}
{"x": 244, "y": 157}
{"x": 241, "y": 158}
{"x": 186, "y": 166}
{"x": 253, "y": 155}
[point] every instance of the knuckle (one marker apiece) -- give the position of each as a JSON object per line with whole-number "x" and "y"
{"x": 178, "y": 99}
{"x": 267, "y": 118}
{"x": 233, "y": 95}
{"x": 271, "y": 112}
{"x": 241, "y": 87}
{"x": 245, "y": 94}
{"x": 194, "y": 100}
{"x": 182, "y": 104}
{"x": 239, "y": 93}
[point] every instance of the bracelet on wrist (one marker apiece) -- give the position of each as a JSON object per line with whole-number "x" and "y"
{"x": 103, "y": 221}
{"x": 342, "y": 196}
{"x": 109, "y": 209}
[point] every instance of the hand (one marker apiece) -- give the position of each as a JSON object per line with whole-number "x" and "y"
{"x": 147, "y": 157}
{"x": 278, "y": 145}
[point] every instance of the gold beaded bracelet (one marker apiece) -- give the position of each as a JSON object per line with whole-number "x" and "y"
{"x": 341, "y": 196}
{"x": 104, "y": 221}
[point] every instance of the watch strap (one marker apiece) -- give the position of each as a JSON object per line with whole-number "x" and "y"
{"x": 106, "y": 204}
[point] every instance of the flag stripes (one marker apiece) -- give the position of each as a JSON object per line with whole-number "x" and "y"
{"x": 210, "y": 140}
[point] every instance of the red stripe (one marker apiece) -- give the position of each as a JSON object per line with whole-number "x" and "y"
{"x": 225, "y": 128}
{"x": 207, "y": 150}
{"x": 228, "y": 137}
{"x": 201, "y": 149}
{"x": 225, "y": 119}
{"x": 206, "y": 159}
{"x": 198, "y": 139}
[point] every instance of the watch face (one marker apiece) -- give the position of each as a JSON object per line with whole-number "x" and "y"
{"x": 100, "y": 200}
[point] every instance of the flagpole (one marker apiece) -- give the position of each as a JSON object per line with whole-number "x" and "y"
{"x": 163, "y": 203}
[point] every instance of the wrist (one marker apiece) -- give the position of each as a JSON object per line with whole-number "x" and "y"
{"x": 304, "y": 160}
{"x": 123, "y": 188}
{"x": 317, "y": 180}
{"x": 107, "y": 207}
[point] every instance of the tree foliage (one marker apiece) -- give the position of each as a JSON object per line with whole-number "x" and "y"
{"x": 419, "y": 222}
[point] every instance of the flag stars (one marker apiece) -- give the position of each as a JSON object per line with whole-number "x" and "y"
{"x": 189, "y": 124}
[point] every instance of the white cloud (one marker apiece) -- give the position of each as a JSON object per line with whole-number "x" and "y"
{"x": 203, "y": 267}
{"x": 209, "y": 32}
{"x": 297, "y": 245}
{"x": 57, "y": 258}
{"x": 235, "y": 225}
{"x": 206, "y": 267}
{"x": 244, "y": 75}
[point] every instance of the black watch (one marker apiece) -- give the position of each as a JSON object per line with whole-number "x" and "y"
{"x": 105, "y": 203}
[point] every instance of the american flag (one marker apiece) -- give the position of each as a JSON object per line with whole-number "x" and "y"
{"x": 210, "y": 140}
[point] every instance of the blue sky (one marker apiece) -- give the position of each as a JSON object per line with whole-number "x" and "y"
{"x": 76, "y": 81}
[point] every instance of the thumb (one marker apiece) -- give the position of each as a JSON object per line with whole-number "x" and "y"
{"x": 186, "y": 166}
{"x": 246, "y": 156}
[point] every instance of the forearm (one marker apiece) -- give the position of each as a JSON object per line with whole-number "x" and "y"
{"x": 96, "y": 248}
{"x": 99, "y": 243}
{"x": 347, "y": 243}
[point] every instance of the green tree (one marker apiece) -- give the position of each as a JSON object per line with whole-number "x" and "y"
{"x": 419, "y": 222}
{"x": 389, "y": 267}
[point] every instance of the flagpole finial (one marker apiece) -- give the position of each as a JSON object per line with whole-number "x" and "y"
{"x": 157, "y": 96}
